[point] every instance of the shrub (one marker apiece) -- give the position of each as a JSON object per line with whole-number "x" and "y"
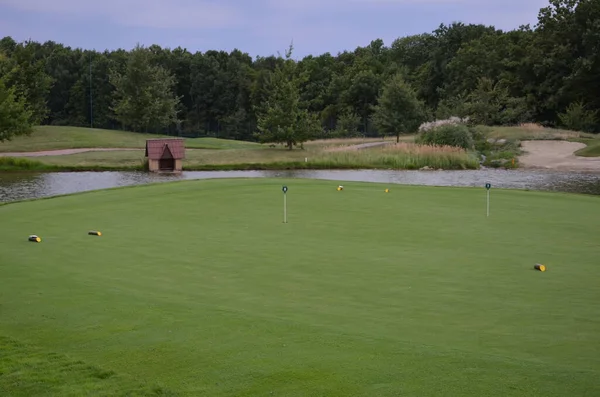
{"x": 438, "y": 123}
{"x": 578, "y": 118}
{"x": 457, "y": 135}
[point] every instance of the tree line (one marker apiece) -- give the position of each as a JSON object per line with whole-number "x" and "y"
{"x": 547, "y": 74}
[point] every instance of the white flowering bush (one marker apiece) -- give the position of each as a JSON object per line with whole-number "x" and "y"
{"x": 438, "y": 123}
{"x": 449, "y": 132}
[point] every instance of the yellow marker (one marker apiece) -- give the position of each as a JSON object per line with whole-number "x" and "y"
{"x": 35, "y": 239}
{"x": 387, "y": 190}
{"x": 94, "y": 233}
{"x": 539, "y": 267}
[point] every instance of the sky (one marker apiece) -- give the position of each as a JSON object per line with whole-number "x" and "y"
{"x": 258, "y": 27}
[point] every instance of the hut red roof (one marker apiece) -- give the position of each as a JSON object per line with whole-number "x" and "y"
{"x": 165, "y": 148}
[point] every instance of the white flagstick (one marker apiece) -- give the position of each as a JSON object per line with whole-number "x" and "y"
{"x": 284, "y": 208}
{"x": 284, "y": 204}
{"x": 488, "y": 186}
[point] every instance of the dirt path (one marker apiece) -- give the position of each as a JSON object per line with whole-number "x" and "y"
{"x": 61, "y": 152}
{"x": 358, "y": 147}
{"x": 557, "y": 155}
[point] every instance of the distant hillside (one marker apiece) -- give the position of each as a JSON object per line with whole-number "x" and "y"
{"x": 52, "y": 138}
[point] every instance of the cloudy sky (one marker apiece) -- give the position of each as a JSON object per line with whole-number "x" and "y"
{"x": 259, "y": 27}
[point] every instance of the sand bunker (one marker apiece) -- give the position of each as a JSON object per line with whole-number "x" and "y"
{"x": 556, "y": 155}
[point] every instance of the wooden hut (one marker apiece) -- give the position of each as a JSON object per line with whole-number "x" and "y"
{"x": 165, "y": 155}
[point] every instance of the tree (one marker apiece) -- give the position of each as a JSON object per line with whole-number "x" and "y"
{"x": 347, "y": 124}
{"x": 578, "y": 118}
{"x": 361, "y": 93}
{"x": 566, "y": 56}
{"x": 398, "y": 109}
{"x": 25, "y": 72}
{"x": 491, "y": 104}
{"x": 143, "y": 96}
{"x": 282, "y": 120}
{"x": 15, "y": 118}
{"x": 533, "y": 74}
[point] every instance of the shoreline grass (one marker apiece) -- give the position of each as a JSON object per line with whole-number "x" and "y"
{"x": 21, "y": 164}
{"x": 403, "y": 156}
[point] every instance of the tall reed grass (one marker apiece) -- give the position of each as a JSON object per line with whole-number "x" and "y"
{"x": 405, "y": 156}
{"x": 24, "y": 164}
{"x": 16, "y": 163}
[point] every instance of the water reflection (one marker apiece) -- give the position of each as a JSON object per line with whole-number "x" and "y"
{"x": 19, "y": 186}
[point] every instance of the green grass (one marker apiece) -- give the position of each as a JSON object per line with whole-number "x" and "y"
{"x": 592, "y": 149}
{"x": 29, "y": 371}
{"x": 32, "y": 164}
{"x": 55, "y": 138}
{"x": 199, "y": 288}
{"x": 20, "y": 164}
{"x": 271, "y": 158}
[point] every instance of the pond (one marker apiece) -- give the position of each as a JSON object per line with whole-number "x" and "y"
{"x": 19, "y": 186}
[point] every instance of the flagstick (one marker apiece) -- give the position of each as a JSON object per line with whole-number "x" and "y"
{"x": 284, "y": 208}
{"x": 284, "y": 189}
{"x": 488, "y": 186}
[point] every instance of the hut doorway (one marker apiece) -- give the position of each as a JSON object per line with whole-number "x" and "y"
{"x": 167, "y": 161}
{"x": 166, "y": 164}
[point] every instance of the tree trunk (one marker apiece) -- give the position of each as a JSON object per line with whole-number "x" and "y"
{"x": 397, "y": 138}
{"x": 290, "y": 145}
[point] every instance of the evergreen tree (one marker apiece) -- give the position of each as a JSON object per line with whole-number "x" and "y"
{"x": 398, "y": 109}
{"x": 281, "y": 119}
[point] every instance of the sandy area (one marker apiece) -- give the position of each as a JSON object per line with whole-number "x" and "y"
{"x": 556, "y": 155}
{"x": 60, "y": 152}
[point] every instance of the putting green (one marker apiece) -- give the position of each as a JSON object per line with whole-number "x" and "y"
{"x": 200, "y": 288}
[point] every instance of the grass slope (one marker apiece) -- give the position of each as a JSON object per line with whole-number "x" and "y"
{"x": 592, "y": 149}
{"x": 200, "y": 287}
{"x": 54, "y": 138}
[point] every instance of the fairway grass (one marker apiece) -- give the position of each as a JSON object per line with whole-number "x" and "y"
{"x": 591, "y": 150}
{"x": 57, "y": 137}
{"x": 199, "y": 288}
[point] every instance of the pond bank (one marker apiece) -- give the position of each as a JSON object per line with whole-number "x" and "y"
{"x": 20, "y": 186}
{"x": 537, "y": 154}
